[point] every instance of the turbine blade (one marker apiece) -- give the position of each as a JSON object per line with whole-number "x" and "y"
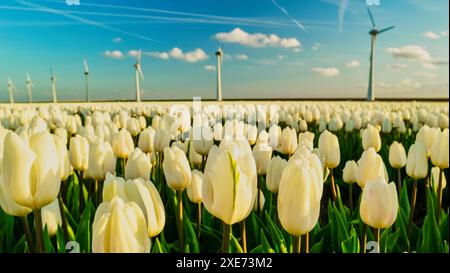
{"x": 371, "y": 17}
{"x": 140, "y": 72}
{"x": 386, "y": 29}
{"x": 139, "y": 56}
{"x": 86, "y": 67}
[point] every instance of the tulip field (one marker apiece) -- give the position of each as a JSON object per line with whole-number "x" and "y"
{"x": 225, "y": 177}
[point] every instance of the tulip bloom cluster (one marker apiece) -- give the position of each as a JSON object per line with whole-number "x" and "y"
{"x": 229, "y": 177}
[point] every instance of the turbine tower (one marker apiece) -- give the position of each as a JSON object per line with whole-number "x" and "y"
{"x": 373, "y": 34}
{"x": 86, "y": 77}
{"x": 11, "y": 88}
{"x": 30, "y": 88}
{"x": 219, "y": 55}
{"x": 53, "y": 81}
{"x": 138, "y": 75}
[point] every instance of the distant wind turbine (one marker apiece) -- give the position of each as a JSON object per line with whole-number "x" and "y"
{"x": 373, "y": 33}
{"x": 138, "y": 75}
{"x": 53, "y": 82}
{"x": 86, "y": 76}
{"x": 219, "y": 55}
{"x": 11, "y": 89}
{"x": 30, "y": 88}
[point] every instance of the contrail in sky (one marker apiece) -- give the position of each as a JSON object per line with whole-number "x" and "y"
{"x": 295, "y": 21}
{"x": 342, "y": 8}
{"x": 82, "y": 20}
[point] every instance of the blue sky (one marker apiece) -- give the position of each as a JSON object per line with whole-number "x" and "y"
{"x": 316, "y": 48}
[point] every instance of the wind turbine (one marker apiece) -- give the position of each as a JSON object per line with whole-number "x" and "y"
{"x": 373, "y": 34}
{"x": 219, "y": 54}
{"x": 53, "y": 81}
{"x": 30, "y": 88}
{"x": 86, "y": 76}
{"x": 138, "y": 75}
{"x": 11, "y": 88}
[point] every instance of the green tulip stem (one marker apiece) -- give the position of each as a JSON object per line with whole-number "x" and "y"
{"x": 377, "y": 232}
{"x": 364, "y": 238}
{"x": 26, "y": 229}
{"x": 413, "y": 207}
{"x": 439, "y": 196}
{"x": 307, "y": 242}
{"x": 399, "y": 180}
{"x": 123, "y": 167}
{"x": 199, "y": 219}
{"x": 63, "y": 217}
{"x": 244, "y": 236}
{"x": 297, "y": 244}
{"x": 180, "y": 220}
{"x": 39, "y": 231}
{"x": 258, "y": 197}
{"x": 80, "y": 194}
{"x": 226, "y": 234}
{"x": 333, "y": 186}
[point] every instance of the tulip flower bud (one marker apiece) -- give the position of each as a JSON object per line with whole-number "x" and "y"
{"x": 288, "y": 141}
{"x": 79, "y": 152}
{"x": 7, "y": 203}
{"x": 155, "y": 122}
{"x": 262, "y": 154}
{"x": 379, "y": 203}
{"x": 440, "y": 150}
{"x": 142, "y": 122}
{"x": 101, "y": 160}
{"x": 194, "y": 157}
{"x": 417, "y": 162}
{"x": 350, "y": 171}
{"x": 51, "y": 217}
{"x": 31, "y": 173}
{"x": 122, "y": 143}
{"x": 133, "y": 126}
{"x": 306, "y": 139}
{"x": 146, "y": 140}
{"x": 176, "y": 168}
{"x": 370, "y": 166}
{"x": 300, "y": 193}
{"x": 426, "y": 136}
{"x": 63, "y": 156}
{"x": 435, "y": 179}
{"x": 218, "y": 131}
{"x": 397, "y": 155}
{"x": 119, "y": 227}
{"x": 349, "y": 126}
{"x": 204, "y": 141}
{"x": 329, "y": 147}
{"x": 371, "y": 138}
{"x": 386, "y": 126}
{"x": 263, "y": 138}
{"x": 138, "y": 165}
{"x": 162, "y": 140}
{"x": 252, "y": 134}
{"x": 194, "y": 191}
{"x": 274, "y": 172}
{"x": 229, "y": 183}
{"x": 303, "y": 125}
{"x": 184, "y": 146}
{"x": 274, "y": 136}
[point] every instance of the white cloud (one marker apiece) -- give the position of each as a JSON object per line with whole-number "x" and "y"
{"x": 396, "y": 66}
{"x": 433, "y": 64}
{"x": 316, "y": 46}
{"x": 296, "y": 50}
{"x": 431, "y": 35}
{"x": 426, "y": 75}
{"x": 280, "y": 57}
{"x": 239, "y": 36}
{"x": 190, "y": 57}
{"x": 353, "y": 64}
{"x": 412, "y": 52}
{"x": 117, "y": 40}
{"x": 241, "y": 57}
{"x": 327, "y": 72}
{"x": 444, "y": 33}
{"x": 210, "y": 67}
{"x": 159, "y": 55}
{"x": 133, "y": 53}
{"x": 408, "y": 84}
{"x": 114, "y": 54}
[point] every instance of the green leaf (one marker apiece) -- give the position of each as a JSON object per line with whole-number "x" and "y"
{"x": 48, "y": 247}
{"x": 235, "y": 247}
{"x": 157, "y": 248}
{"x": 317, "y": 248}
{"x": 276, "y": 235}
{"x": 60, "y": 242}
{"x": 20, "y": 246}
{"x": 351, "y": 245}
{"x": 444, "y": 227}
{"x": 83, "y": 236}
{"x": 265, "y": 244}
{"x": 430, "y": 233}
{"x": 404, "y": 199}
